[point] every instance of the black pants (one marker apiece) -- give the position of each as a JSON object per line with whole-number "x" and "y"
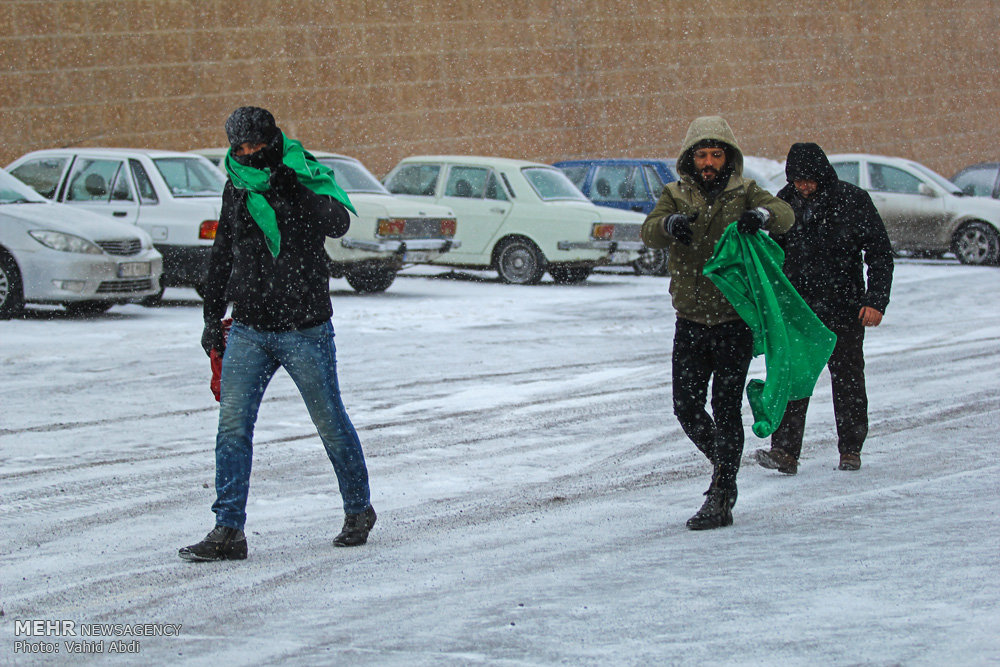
{"x": 721, "y": 353}
{"x": 850, "y": 399}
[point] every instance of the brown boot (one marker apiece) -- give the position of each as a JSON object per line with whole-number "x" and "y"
{"x": 777, "y": 459}
{"x": 850, "y": 462}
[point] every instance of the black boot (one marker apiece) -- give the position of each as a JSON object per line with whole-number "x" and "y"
{"x": 356, "y": 528}
{"x": 223, "y": 543}
{"x": 717, "y": 512}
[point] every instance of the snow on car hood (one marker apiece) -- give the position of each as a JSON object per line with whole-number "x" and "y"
{"x": 976, "y": 207}
{"x": 71, "y": 220}
{"x": 370, "y": 204}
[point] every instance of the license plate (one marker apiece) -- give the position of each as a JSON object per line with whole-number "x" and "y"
{"x": 134, "y": 270}
{"x": 619, "y": 257}
{"x": 417, "y": 256}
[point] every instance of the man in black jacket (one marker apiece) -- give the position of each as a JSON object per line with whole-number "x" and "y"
{"x": 837, "y": 230}
{"x": 268, "y": 261}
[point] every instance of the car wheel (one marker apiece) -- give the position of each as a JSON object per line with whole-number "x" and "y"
{"x": 11, "y": 291}
{"x": 653, "y": 262}
{"x": 87, "y": 307}
{"x": 367, "y": 278}
{"x": 153, "y": 300}
{"x": 519, "y": 262}
{"x": 569, "y": 275}
{"x": 977, "y": 243}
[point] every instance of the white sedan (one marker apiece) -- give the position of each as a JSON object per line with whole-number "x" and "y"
{"x": 924, "y": 212}
{"x": 174, "y": 197}
{"x": 53, "y": 253}
{"x": 520, "y": 218}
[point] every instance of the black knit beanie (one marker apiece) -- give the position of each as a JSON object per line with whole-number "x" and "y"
{"x": 251, "y": 125}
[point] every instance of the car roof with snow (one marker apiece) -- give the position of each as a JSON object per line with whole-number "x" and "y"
{"x": 477, "y": 160}
{"x": 128, "y": 152}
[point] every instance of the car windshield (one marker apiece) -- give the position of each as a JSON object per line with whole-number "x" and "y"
{"x": 550, "y": 183}
{"x": 352, "y": 176}
{"x": 190, "y": 176}
{"x": 937, "y": 178}
{"x": 13, "y": 191}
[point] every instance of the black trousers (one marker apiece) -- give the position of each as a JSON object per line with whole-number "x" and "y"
{"x": 850, "y": 398}
{"x": 722, "y": 354}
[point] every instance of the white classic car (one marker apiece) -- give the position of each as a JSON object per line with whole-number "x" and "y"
{"x": 520, "y": 218}
{"x": 174, "y": 197}
{"x": 388, "y": 231}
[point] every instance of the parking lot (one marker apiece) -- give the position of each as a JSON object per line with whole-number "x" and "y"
{"x": 531, "y": 481}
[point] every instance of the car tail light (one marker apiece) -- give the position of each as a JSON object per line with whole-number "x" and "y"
{"x": 207, "y": 229}
{"x": 391, "y": 226}
{"x": 603, "y": 231}
{"x": 448, "y": 226}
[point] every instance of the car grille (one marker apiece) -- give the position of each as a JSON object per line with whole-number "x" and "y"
{"x": 124, "y": 286}
{"x": 121, "y": 246}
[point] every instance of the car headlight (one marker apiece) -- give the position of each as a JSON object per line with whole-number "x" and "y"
{"x": 65, "y": 242}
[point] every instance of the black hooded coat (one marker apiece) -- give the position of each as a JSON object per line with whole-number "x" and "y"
{"x": 836, "y": 231}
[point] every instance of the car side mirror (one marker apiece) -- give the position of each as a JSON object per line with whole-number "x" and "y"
{"x": 970, "y": 190}
{"x": 926, "y": 190}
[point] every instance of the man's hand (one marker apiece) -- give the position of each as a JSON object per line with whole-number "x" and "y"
{"x": 283, "y": 180}
{"x": 213, "y": 337}
{"x": 751, "y": 221}
{"x": 678, "y": 225}
{"x": 870, "y": 317}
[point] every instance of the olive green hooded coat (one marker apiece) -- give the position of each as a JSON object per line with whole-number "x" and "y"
{"x": 695, "y": 297}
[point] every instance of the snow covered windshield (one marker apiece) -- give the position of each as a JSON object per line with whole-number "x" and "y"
{"x": 550, "y": 183}
{"x": 13, "y": 191}
{"x": 352, "y": 176}
{"x": 190, "y": 177}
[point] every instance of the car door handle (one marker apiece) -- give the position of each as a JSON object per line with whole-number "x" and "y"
{"x": 637, "y": 209}
{"x": 497, "y": 209}
{"x": 119, "y": 214}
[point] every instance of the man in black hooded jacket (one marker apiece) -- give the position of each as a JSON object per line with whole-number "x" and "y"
{"x": 837, "y": 231}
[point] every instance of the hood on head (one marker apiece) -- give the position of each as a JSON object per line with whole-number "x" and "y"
{"x": 704, "y": 129}
{"x": 807, "y": 161}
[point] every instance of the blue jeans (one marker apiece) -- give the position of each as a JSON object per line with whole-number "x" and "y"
{"x": 310, "y": 358}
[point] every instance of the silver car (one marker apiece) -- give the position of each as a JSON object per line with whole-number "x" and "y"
{"x": 925, "y": 213}
{"x": 53, "y": 253}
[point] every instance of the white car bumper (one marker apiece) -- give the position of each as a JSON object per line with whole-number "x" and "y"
{"x": 60, "y": 277}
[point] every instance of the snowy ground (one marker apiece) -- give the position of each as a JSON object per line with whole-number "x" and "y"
{"x": 532, "y": 487}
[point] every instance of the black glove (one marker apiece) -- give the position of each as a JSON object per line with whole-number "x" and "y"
{"x": 678, "y": 225}
{"x": 212, "y": 337}
{"x": 283, "y": 180}
{"x": 751, "y": 221}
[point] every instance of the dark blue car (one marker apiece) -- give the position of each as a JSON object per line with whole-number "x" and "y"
{"x": 632, "y": 184}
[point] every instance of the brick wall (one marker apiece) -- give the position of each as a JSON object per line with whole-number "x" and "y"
{"x": 538, "y": 79}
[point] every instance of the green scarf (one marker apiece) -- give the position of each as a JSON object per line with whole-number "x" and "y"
{"x": 315, "y": 176}
{"x": 795, "y": 344}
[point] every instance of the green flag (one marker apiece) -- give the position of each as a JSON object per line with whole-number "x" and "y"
{"x": 315, "y": 176}
{"x": 796, "y": 346}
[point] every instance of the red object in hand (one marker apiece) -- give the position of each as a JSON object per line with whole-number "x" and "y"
{"x": 215, "y": 357}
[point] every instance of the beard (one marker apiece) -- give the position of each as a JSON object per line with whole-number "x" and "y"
{"x": 709, "y": 174}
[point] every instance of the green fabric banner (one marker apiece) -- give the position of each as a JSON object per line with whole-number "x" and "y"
{"x": 315, "y": 176}
{"x": 795, "y": 344}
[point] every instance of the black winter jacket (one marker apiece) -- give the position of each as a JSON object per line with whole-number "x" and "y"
{"x": 283, "y": 293}
{"x": 836, "y": 231}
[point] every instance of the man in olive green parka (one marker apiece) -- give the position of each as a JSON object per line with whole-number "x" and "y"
{"x": 711, "y": 342}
